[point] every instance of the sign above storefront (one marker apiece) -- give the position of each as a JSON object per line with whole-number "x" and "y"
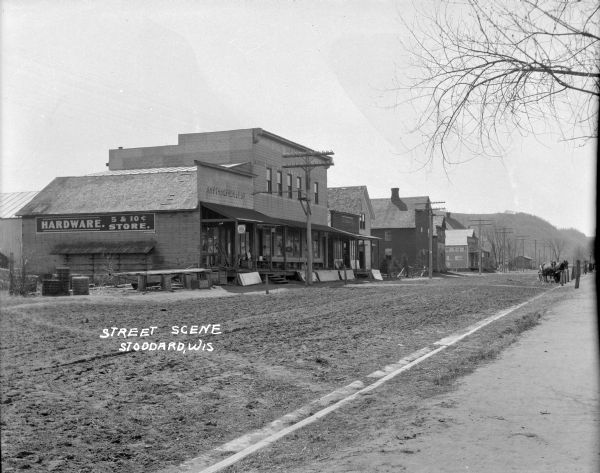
{"x": 97, "y": 223}
{"x": 225, "y": 186}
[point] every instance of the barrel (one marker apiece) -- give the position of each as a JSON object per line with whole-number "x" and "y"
{"x": 81, "y": 285}
{"x": 64, "y": 273}
{"x": 51, "y": 287}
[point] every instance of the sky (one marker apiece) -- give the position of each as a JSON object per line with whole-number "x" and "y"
{"x": 81, "y": 77}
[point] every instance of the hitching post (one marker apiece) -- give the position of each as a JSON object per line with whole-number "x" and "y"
{"x": 267, "y": 283}
{"x": 577, "y": 274}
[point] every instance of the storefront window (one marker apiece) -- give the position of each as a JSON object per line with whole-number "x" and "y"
{"x": 216, "y": 245}
{"x": 266, "y": 243}
{"x": 293, "y": 243}
{"x": 278, "y": 247}
{"x": 316, "y": 245}
{"x": 244, "y": 249}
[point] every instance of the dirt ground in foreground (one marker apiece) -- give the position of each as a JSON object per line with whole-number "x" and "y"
{"x": 72, "y": 402}
{"x": 533, "y": 409}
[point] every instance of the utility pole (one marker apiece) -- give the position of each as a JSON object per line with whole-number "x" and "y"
{"x": 522, "y": 238}
{"x": 308, "y": 161}
{"x": 503, "y": 231}
{"x": 431, "y": 209}
{"x": 481, "y": 222}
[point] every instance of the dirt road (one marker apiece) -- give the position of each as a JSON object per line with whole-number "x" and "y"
{"x": 535, "y": 409}
{"x": 73, "y": 402}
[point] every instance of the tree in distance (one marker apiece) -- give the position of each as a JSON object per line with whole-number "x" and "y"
{"x": 487, "y": 68}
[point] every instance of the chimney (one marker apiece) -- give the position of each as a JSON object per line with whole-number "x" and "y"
{"x": 396, "y": 199}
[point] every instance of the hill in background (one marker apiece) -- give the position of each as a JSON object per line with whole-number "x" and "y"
{"x": 540, "y": 235}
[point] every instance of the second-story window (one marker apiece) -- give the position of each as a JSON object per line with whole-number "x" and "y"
{"x": 290, "y": 191}
{"x": 269, "y": 180}
{"x": 316, "y": 192}
{"x": 279, "y": 184}
{"x": 299, "y": 186}
{"x": 363, "y": 222}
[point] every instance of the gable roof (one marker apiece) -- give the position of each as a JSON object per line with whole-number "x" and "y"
{"x": 451, "y": 222}
{"x": 12, "y": 202}
{"x": 349, "y": 200}
{"x": 388, "y": 215}
{"x": 415, "y": 203}
{"x": 459, "y": 237}
{"x": 169, "y": 189}
{"x": 397, "y": 212}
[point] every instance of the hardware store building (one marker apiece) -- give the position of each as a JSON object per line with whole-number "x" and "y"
{"x": 221, "y": 199}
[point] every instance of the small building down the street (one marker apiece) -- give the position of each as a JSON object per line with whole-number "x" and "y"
{"x": 351, "y": 210}
{"x": 403, "y": 224}
{"x": 11, "y": 236}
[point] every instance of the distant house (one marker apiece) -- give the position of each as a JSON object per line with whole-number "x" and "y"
{"x": 522, "y": 262}
{"x": 462, "y": 250}
{"x": 350, "y": 210}
{"x": 402, "y": 223}
{"x": 11, "y": 228}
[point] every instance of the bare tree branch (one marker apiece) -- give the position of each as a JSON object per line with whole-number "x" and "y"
{"x": 488, "y": 67}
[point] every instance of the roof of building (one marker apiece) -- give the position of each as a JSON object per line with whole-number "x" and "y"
{"x": 116, "y": 191}
{"x": 416, "y": 203}
{"x": 459, "y": 237}
{"x": 120, "y": 172}
{"x": 388, "y": 215}
{"x": 438, "y": 221}
{"x": 12, "y": 202}
{"x": 451, "y": 222}
{"x": 349, "y": 200}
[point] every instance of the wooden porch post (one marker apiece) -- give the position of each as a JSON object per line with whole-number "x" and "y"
{"x": 284, "y": 248}
{"x": 236, "y": 245}
{"x": 254, "y": 246}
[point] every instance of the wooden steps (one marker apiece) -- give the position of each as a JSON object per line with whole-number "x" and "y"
{"x": 275, "y": 279}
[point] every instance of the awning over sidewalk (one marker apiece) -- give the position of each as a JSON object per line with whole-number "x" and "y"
{"x": 249, "y": 215}
{"x": 237, "y": 213}
{"x": 323, "y": 228}
{"x": 356, "y": 236}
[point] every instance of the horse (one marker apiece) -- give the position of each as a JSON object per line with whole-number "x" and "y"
{"x": 551, "y": 270}
{"x": 548, "y": 271}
